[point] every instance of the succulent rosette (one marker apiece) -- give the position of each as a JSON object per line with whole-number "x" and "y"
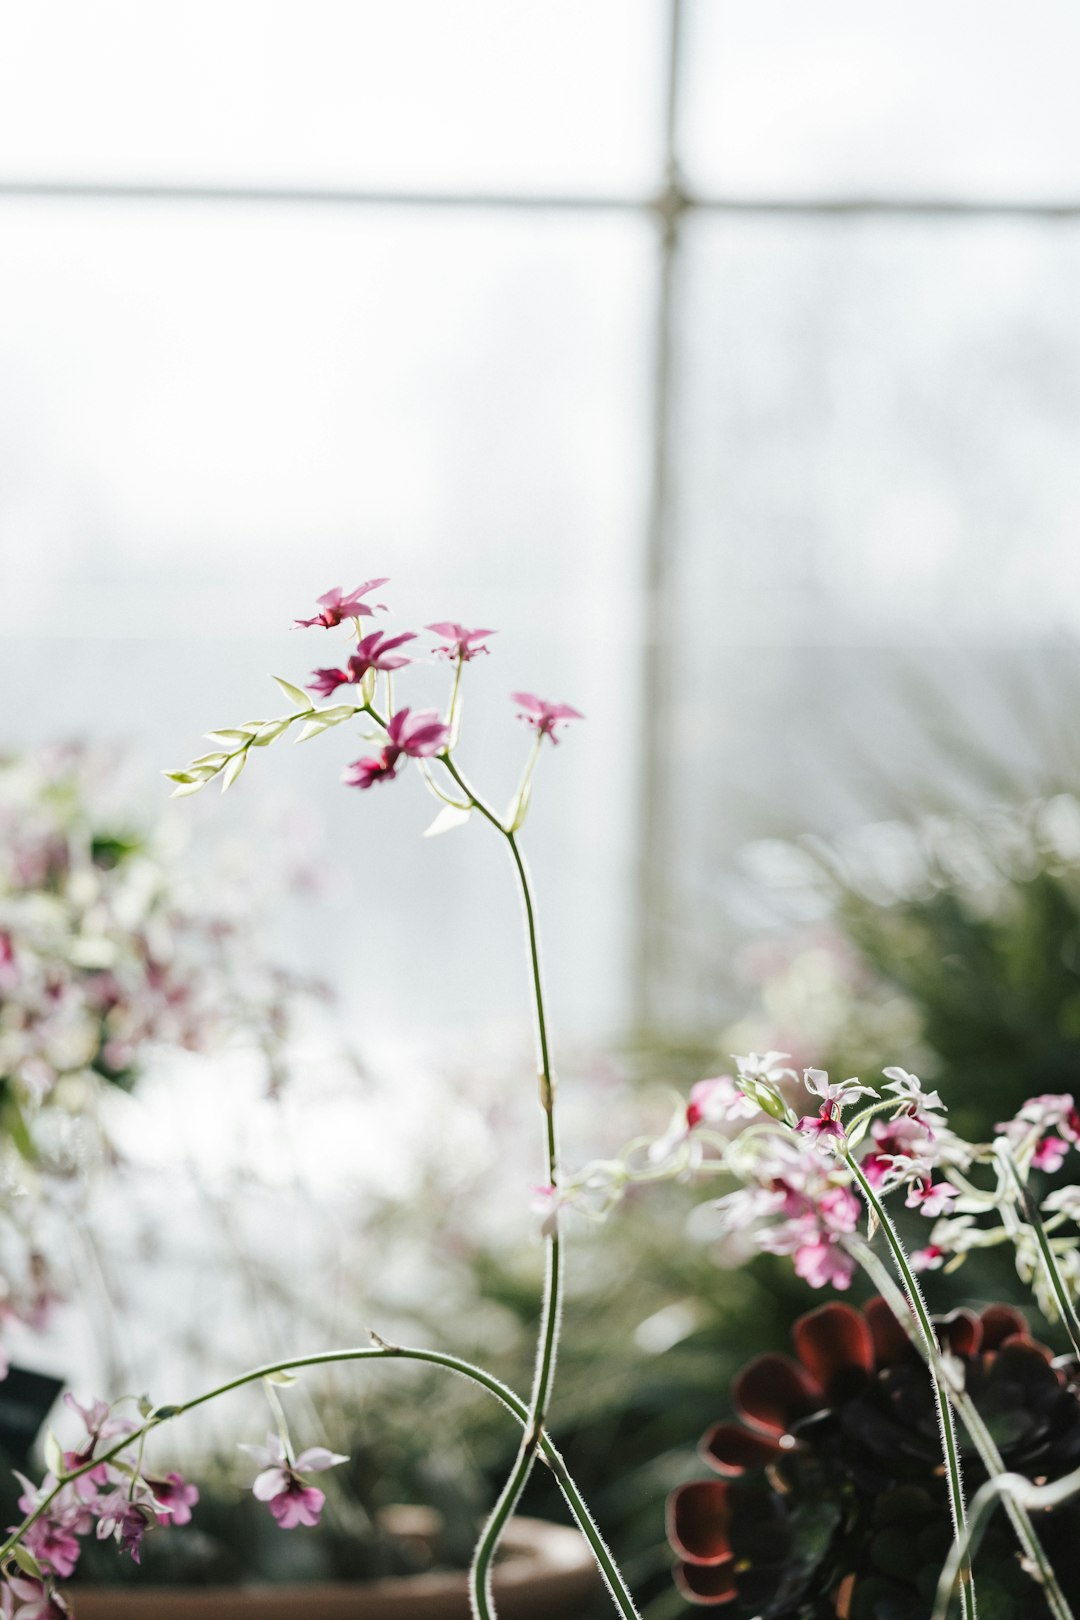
{"x": 827, "y": 1498}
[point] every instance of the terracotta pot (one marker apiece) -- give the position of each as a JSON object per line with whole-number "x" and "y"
{"x": 546, "y": 1573}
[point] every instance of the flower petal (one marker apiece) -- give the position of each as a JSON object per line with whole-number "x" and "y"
{"x": 706, "y": 1585}
{"x": 699, "y": 1516}
{"x": 1000, "y": 1322}
{"x": 270, "y": 1483}
{"x": 772, "y": 1392}
{"x": 316, "y": 1458}
{"x": 731, "y": 1449}
{"x": 835, "y": 1346}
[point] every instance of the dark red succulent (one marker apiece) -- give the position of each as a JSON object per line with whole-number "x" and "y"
{"x": 830, "y": 1502}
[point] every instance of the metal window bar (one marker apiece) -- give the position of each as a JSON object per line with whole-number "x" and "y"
{"x": 668, "y": 207}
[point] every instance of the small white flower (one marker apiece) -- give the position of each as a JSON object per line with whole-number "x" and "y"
{"x": 838, "y": 1091}
{"x": 909, "y": 1088}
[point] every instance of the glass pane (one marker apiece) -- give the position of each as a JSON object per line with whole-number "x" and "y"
{"x": 935, "y": 97}
{"x": 877, "y": 495}
{"x": 208, "y": 418}
{"x": 544, "y": 95}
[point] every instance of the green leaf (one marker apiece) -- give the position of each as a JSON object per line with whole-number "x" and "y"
{"x": 232, "y": 770}
{"x": 185, "y": 789}
{"x": 180, "y": 776}
{"x": 271, "y": 731}
{"x": 293, "y": 693}
{"x": 284, "y": 1378}
{"x": 449, "y": 817}
{"x": 234, "y": 734}
{"x": 313, "y": 728}
{"x": 213, "y": 760}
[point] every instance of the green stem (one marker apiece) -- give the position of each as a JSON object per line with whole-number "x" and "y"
{"x": 624, "y": 1603}
{"x": 480, "y": 1594}
{"x": 1029, "y": 1210}
{"x": 981, "y": 1439}
{"x": 949, "y": 1445}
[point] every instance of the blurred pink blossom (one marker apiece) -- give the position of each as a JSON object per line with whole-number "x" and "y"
{"x": 335, "y": 606}
{"x": 542, "y": 716}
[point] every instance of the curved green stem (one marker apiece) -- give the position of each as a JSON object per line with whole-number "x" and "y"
{"x": 624, "y": 1603}
{"x": 949, "y": 1445}
{"x": 480, "y": 1594}
{"x": 1029, "y": 1210}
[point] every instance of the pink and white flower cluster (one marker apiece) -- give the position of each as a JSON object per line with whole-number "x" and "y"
{"x": 110, "y": 949}
{"x": 114, "y": 1499}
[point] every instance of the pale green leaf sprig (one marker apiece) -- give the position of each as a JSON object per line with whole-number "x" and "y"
{"x": 235, "y": 743}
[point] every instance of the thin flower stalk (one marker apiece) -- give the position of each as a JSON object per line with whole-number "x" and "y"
{"x": 1030, "y": 1213}
{"x": 480, "y": 1594}
{"x": 950, "y": 1446}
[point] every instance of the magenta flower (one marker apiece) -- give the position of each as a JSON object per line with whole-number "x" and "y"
{"x": 53, "y": 1544}
{"x": 932, "y": 1198}
{"x": 543, "y": 717}
{"x": 715, "y": 1101}
{"x": 1050, "y": 1154}
{"x": 174, "y": 1496}
{"x": 373, "y": 652}
{"x": 824, "y": 1263}
{"x": 33, "y": 1600}
{"x": 824, "y": 1125}
{"x": 461, "y": 643}
{"x": 335, "y": 606}
{"x": 364, "y": 773}
{"x": 126, "y": 1520}
{"x": 418, "y": 735}
{"x": 279, "y": 1484}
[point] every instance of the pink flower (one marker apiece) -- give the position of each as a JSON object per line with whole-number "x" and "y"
{"x": 1050, "y": 1154}
{"x": 34, "y": 1600}
{"x": 823, "y": 1263}
{"x": 126, "y": 1520}
{"x": 838, "y": 1209}
{"x": 279, "y": 1484}
{"x": 1051, "y": 1111}
{"x": 335, "y": 606}
{"x": 824, "y": 1125}
{"x": 929, "y": 1259}
{"x": 175, "y": 1498}
{"x": 373, "y": 652}
{"x": 712, "y": 1102}
{"x": 461, "y": 644}
{"x": 418, "y": 735}
{"x": 543, "y": 716}
{"x": 933, "y": 1199}
{"x": 54, "y": 1546}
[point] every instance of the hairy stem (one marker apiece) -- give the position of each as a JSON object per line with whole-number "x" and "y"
{"x": 983, "y": 1442}
{"x": 949, "y": 1445}
{"x": 1029, "y": 1211}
